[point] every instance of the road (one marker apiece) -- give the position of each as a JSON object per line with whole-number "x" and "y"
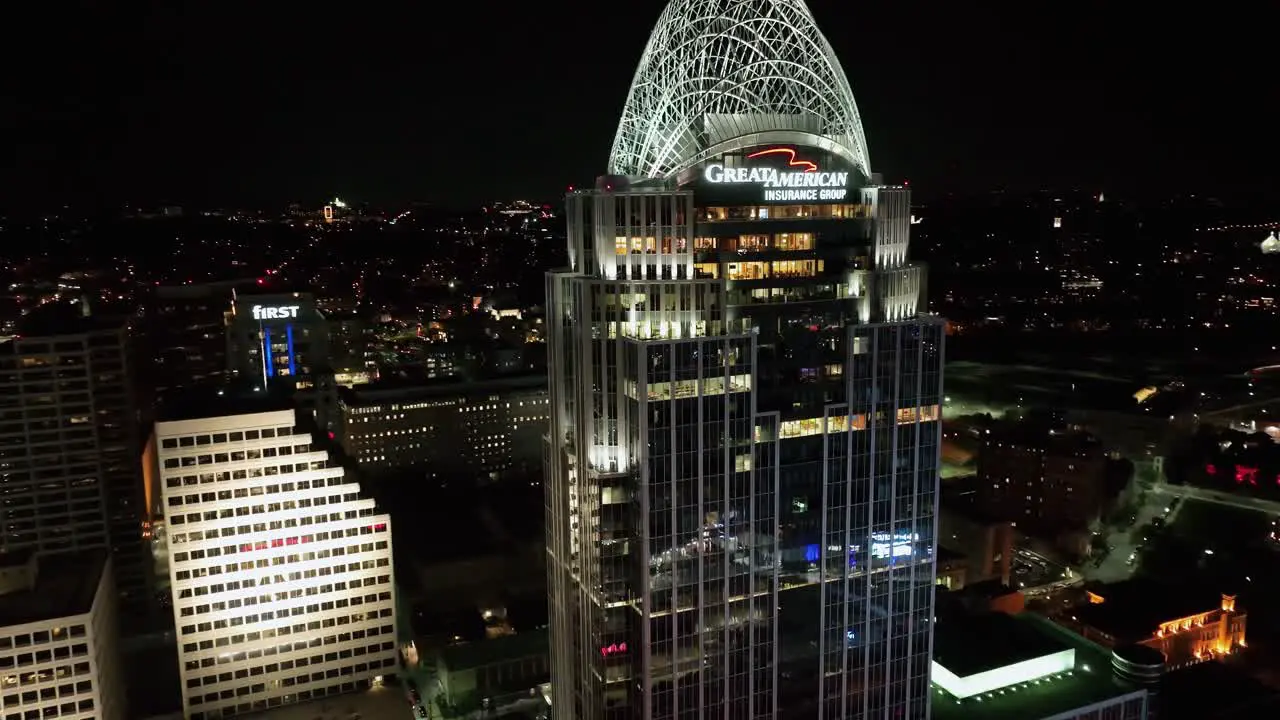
{"x": 1217, "y": 496}
{"x": 1035, "y": 574}
{"x": 1123, "y": 543}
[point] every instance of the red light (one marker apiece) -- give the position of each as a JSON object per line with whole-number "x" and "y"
{"x": 331, "y": 435}
{"x": 1246, "y": 475}
{"x": 791, "y": 159}
{"x": 262, "y": 281}
{"x": 1211, "y": 469}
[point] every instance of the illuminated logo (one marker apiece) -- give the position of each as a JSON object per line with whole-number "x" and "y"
{"x": 613, "y": 649}
{"x": 791, "y": 158}
{"x": 282, "y": 312}
{"x": 805, "y": 182}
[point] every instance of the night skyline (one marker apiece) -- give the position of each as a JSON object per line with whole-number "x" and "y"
{"x": 237, "y": 104}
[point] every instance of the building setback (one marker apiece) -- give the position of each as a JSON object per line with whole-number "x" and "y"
{"x": 281, "y": 571}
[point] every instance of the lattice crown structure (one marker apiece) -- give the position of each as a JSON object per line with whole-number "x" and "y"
{"x": 716, "y": 70}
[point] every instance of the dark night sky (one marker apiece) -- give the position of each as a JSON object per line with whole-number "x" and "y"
{"x": 231, "y": 102}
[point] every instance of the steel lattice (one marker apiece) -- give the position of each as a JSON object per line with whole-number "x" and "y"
{"x": 727, "y": 68}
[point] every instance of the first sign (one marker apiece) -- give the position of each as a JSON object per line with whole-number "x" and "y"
{"x": 281, "y": 312}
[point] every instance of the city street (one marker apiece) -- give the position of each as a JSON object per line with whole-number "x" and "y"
{"x": 1035, "y": 574}
{"x": 1125, "y": 542}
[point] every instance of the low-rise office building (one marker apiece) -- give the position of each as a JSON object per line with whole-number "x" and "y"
{"x": 488, "y": 431}
{"x": 472, "y": 672}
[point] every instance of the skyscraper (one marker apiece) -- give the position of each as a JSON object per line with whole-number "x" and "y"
{"x": 68, "y": 429}
{"x": 743, "y": 447}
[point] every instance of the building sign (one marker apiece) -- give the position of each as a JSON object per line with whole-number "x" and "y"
{"x": 613, "y": 649}
{"x": 800, "y": 181}
{"x": 279, "y": 312}
{"x": 901, "y": 544}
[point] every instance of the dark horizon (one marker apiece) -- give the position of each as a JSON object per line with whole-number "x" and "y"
{"x": 240, "y": 105}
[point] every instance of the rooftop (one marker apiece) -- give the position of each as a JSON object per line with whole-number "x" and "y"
{"x": 1135, "y": 609}
{"x": 1091, "y": 682}
{"x": 68, "y": 318}
{"x": 221, "y": 400}
{"x": 979, "y": 642}
{"x": 374, "y": 704}
{"x": 1216, "y": 691}
{"x": 393, "y": 388}
{"x": 508, "y": 648}
{"x": 65, "y": 586}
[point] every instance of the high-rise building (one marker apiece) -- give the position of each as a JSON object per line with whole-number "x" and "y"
{"x": 745, "y": 394}
{"x": 281, "y": 340}
{"x": 277, "y": 337}
{"x": 68, "y": 441}
{"x": 281, "y": 570}
{"x": 183, "y": 338}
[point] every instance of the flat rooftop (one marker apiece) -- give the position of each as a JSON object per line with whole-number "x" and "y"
{"x": 68, "y": 318}
{"x": 972, "y": 644}
{"x": 65, "y": 586}
{"x": 1216, "y": 691}
{"x": 1135, "y": 609}
{"x": 221, "y": 400}
{"x": 401, "y": 389}
{"x": 1091, "y": 682}
{"x": 378, "y": 703}
{"x": 508, "y": 648}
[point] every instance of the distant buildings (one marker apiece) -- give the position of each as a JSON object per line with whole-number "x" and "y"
{"x": 487, "y": 431}
{"x": 183, "y": 335}
{"x": 1048, "y": 481}
{"x": 1187, "y": 624}
{"x": 281, "y": 571}
{"x": 58, "y": 649}
{"x": 986, "y": 543}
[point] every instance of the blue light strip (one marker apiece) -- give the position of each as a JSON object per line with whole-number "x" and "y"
{"x": 288, "y": 334}
{"x": 267, "y": 361}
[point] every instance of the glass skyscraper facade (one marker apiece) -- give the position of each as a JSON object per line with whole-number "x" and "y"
{"x": 742, "y": 457}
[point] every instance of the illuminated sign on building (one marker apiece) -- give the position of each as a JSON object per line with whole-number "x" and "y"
{"x": 899, "y": 545}
{"x": 281, "y": 312}
{"x": 613, "y": 649}
{"x": 805, "y": 183}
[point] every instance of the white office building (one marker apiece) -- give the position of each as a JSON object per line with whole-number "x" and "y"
{"x": 281, "y": 571}
{"x": 57, "y": 638}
